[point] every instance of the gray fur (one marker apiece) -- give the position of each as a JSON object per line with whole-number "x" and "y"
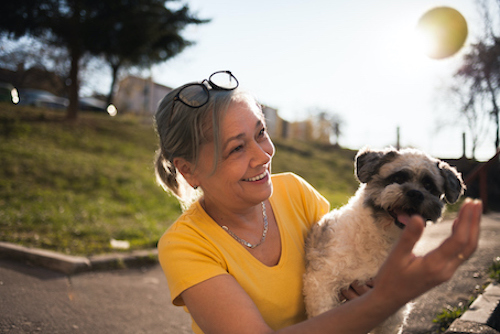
{"x": 351, "y": 243}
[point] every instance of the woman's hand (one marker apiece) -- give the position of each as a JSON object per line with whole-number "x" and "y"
{"x": 405, "y": 276}
{"x": 355, "y": 290}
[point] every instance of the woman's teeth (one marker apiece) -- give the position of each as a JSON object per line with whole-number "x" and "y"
{"x": 257, "y": 178}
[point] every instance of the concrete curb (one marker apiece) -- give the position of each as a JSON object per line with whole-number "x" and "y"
{"x": 483, "y": 316}
{"x": 68, "y": 264}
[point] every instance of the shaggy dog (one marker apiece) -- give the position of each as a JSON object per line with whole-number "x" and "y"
{"x": 351, "y": 243}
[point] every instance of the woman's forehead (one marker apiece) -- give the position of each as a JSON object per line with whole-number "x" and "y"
{"x": 241, "y": 112}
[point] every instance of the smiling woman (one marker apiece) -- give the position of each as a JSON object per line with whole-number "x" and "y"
{"x": 235, "y": 257}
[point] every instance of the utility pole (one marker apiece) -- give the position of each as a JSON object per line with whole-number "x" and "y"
{"x": 398, "y": 146}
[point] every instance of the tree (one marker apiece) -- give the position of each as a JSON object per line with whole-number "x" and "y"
{"x": 480, "y": 74}
{"x": 327, "y": 125}
{"x": 82, "y": 27}
{"x": 122, "y": 43}
{"x": 471, "y": 111}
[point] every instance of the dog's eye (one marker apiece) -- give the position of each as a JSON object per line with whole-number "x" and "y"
{"x": 429, "y": 185}
{"x": 399, "y": 177}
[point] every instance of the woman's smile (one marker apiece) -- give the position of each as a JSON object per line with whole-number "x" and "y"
{"x": 258, "y": 177}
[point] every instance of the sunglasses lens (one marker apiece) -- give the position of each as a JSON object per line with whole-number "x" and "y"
{"x": 223, "y": 80}
{"x": 194, "y": 95}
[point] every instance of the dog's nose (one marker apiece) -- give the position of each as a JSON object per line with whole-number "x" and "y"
{"x": 415, "y": 196}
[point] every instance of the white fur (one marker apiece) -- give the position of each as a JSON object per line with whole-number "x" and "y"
{"x": 354, "y": 251}
{"x": 351, "y": 243}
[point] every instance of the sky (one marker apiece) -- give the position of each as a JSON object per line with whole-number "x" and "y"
{"x": 355, "y": 58}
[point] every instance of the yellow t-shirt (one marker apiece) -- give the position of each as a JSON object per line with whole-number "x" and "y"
{"x": 195, "y": 249}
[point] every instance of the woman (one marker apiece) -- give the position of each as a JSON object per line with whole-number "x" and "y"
{"x": 234, "y": 258}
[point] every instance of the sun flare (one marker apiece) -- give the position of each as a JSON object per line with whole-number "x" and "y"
{"x": 441, "y": 32}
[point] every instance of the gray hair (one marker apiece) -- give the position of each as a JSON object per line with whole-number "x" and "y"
{"x": 182, "y": 129}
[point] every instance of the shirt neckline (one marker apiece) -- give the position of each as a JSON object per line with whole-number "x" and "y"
{"x": 220, "y": 232}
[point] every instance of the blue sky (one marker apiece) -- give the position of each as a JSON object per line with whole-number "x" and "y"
{"x": 355, "y": 58}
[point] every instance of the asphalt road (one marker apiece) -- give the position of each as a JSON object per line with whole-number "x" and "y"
{"x": 37, "y": 300}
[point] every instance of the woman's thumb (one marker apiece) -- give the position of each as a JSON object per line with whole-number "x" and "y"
{"x": 414, "y": 227}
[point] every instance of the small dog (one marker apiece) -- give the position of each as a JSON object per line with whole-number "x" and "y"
{"x": 351, "y": 243}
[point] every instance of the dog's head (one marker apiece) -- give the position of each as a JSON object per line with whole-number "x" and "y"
{"x": 407, "y": 181}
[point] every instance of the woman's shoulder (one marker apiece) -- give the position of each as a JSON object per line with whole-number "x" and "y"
{"x": 287, "y": 177}
{"x": 289, "y": 180}
{"x": 187, "y": 225}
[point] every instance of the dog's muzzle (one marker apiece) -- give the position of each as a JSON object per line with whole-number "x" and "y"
{"x": 413, "y": 201}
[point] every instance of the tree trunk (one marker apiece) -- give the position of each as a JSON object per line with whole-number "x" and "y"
{"x": 495, "y": 112}
{"x": 111, "y": 94}
{"x": 74, "y": 39}
{"x": 497, "y": 140}
{"x": 72, "y": 111}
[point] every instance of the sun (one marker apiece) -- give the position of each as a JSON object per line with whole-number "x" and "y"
{"x": 441, "y": 32}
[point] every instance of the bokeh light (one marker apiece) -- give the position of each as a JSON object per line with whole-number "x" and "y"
{"x": 112, "y": 111}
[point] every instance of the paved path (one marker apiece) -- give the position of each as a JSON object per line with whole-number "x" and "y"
{"x": 37, "y": 300}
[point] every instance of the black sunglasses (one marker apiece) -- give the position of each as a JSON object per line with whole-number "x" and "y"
{"x": 220, "y": 80}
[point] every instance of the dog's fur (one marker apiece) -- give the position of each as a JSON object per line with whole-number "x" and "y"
{"x": 351, "y": 243}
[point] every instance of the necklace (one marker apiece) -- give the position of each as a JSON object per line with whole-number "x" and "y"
{"x": 246, "y": 243}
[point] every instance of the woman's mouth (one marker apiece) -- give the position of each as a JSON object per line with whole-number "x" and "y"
{"x": 257, "y": 178}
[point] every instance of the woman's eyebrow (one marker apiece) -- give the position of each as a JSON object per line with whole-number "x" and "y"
{"x": 258, "y": 125}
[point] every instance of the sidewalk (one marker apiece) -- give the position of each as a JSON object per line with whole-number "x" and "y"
{"x": 482, "y": 318}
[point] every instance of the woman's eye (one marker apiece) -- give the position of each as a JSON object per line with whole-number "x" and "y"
{"x": 237, "y": 149}
{"x": 262, "y": 132}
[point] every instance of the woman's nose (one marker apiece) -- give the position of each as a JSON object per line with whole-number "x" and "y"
{"x": 261, "y": 154}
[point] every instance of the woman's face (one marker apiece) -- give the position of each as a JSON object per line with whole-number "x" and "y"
{"x": 242, "y": 177}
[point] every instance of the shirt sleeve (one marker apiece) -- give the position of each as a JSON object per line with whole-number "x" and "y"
{"x": 187, "y": 258}
{"x": 315, "y": 205}
{"x": 303, "y": 198}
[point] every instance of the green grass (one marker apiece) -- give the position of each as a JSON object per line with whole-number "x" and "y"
{"x": 494, "y": 270}
{"x": 73, "y": 186}
{"x": 450, "y": 314}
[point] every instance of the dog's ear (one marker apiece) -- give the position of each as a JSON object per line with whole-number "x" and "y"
{"x": 368, "y": 162}
{"x": 454, "y": 186}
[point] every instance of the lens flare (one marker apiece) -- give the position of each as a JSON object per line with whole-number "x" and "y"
{"x": 442, "y": 32}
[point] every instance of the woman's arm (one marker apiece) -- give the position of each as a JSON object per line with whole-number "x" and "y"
{"x": 220, "y": 305}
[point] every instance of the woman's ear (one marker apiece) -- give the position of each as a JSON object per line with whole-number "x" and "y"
{"x": 186, "y": 168}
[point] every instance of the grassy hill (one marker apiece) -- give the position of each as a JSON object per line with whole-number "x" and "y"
{"x": 72, "y": 187}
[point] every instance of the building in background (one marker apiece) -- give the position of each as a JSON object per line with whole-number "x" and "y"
{"x": 139, "y": 96}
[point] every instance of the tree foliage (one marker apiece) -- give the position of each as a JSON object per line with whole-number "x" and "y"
{"x": 137, "y": 33}
{"x": 125, "y": 32}
{"x": 478, "y": 78}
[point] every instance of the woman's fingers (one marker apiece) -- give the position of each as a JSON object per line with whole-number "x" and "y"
{"x": 414, "y": 227}
{"x": 409, "y": 275}
{"x": 356, "y": 289}
{"x": 463, "y": 241}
